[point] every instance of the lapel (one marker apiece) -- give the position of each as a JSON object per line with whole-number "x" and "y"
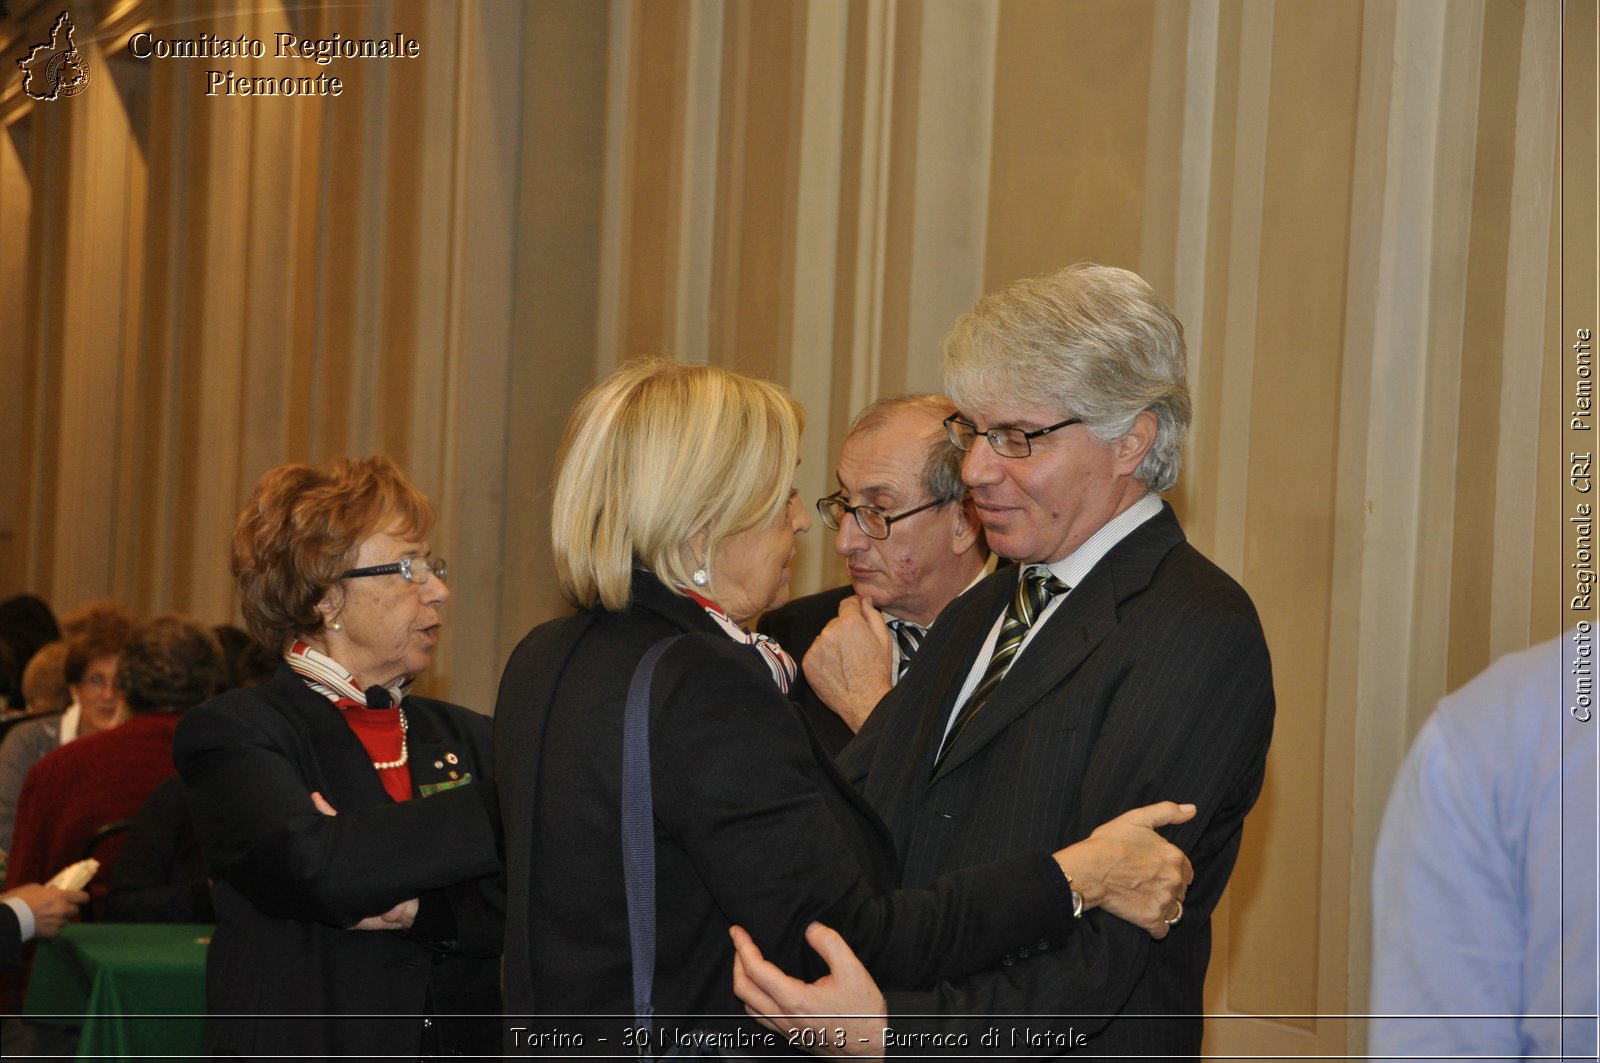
{"x": 919, "y": 706}
{"x": 437, "y": 760}
{"x": 1079, "y": 624}
{"x": 343, "y": 766}
{"x": 650, "y": 595}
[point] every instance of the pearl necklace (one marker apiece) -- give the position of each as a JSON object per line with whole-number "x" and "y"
{"x": 405, "y": 750}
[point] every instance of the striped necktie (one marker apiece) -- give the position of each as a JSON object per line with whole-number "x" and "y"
{"x": 907, "y": 637}
{"x": 1034, "y": 591}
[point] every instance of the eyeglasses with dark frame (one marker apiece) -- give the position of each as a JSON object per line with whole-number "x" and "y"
{"x": 1007, "y": 442}
{"x": 872, "y": 520}
{"x": 411, "y": 569}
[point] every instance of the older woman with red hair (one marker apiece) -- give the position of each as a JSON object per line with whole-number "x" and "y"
{"x": 331, "y": 801}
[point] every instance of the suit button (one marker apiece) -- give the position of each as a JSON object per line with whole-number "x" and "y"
{"x": 1009, "y": 961}
{"x": 1043, "y": 945}
{"x": 1023, "y": 953}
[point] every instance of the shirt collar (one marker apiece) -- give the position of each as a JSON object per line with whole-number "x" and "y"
{"x": 69, "y": 723}
{"x": 1076, "y": 566}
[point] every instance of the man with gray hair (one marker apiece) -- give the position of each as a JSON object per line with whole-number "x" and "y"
{"x": 911, "y": 543}
{"x": 1113, "y": 667}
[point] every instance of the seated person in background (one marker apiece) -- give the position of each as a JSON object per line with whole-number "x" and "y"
{"x": 26, "y": 624}
{"x": 170, "y": 665}
{"x": 33, "y": 911}
{"x": 95, "y": 636}
{"x": 911, "y": 543}
{"x": 44, "y": 687}
{"x": 44, "y": 681}
{"x": 249, "y": 662}
{"x": 161, "y": 876}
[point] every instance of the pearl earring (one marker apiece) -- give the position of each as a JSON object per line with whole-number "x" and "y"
{"x": 700, "y": 577}
{"x": 336, "y": 625}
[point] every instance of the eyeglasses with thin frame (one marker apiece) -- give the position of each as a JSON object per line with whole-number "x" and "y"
{"x": 872, "y": 520}
{"x": 411, "y": 569}
{"x": 1007, "y": 442}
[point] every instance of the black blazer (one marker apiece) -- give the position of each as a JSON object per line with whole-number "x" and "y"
{"x": 796, "y": 626}
{"x": 1151, "y": 681}
{"x": 10, "y": 939}
{"x": 289, "y": 879}
{"x": 754, "y": 826}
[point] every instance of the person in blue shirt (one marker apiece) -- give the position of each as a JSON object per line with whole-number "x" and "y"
{"x": 1484, "y": 926}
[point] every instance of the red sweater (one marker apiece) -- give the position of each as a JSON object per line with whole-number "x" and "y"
{"x": 82, "y": 786}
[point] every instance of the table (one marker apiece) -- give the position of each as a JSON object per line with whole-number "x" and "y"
{"x": 134, "y": 988}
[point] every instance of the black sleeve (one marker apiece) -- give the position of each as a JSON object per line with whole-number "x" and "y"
{"x": 739, "y": 787}
{"x": 260, "y": 831}
{"x": 10, "y": 939}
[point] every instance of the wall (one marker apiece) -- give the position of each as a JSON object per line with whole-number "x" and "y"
{"x": 1355, "y": 208}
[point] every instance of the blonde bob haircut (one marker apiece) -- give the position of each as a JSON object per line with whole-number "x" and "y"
{"x": 655, "y": 453}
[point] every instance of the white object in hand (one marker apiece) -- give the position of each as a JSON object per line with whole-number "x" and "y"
{"x": 75, "y": 876}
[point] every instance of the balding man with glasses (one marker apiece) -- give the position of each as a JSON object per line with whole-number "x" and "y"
{"x": 910, "y": 542}
{"x": 1113, "y": 667}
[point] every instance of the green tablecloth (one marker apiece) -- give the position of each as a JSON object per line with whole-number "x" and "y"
{"x": 136, "y": 989}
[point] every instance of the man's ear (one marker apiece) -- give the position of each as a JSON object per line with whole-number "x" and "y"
{"x": 965, "y": 528}
{"x": 1131, "y": 448}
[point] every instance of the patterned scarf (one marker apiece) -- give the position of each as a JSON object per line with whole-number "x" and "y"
{"x": 381, "y": 731}
{"x": 780, "y": 663}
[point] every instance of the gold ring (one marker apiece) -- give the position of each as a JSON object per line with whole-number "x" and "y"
{"x": 1174, "y": 920}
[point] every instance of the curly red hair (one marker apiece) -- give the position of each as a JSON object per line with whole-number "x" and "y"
{"x": 304, "y": 525}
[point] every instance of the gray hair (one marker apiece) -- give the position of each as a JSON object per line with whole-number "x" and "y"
{"x": 941, "y": 466}
{"x": 1095, "y": 340}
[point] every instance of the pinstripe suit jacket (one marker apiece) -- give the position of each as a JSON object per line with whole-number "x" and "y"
{"x": 1151, "y": 681}
{"x": 796, "y": 626}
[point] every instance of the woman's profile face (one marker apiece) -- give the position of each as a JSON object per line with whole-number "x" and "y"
{"x": 750, "y": 572}
{"x": 388, "y": 625}
{"x": 96, "y": 694}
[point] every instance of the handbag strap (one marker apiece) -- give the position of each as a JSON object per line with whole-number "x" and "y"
{"x": 639, "y": 835}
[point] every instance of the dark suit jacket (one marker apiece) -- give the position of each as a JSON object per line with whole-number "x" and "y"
{"x": 289, "y": 879}
{"x": 1151, "y": 681}
{"x": 796, "y": 626}
{"x": 10, "y": 939}
{"x": 754, "y": 826}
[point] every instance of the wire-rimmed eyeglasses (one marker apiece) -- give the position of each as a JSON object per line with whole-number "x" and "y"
{"x": 1007, "y": 442}
{"x": 411, "y": 569}
{"x": 872, "y": 520}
